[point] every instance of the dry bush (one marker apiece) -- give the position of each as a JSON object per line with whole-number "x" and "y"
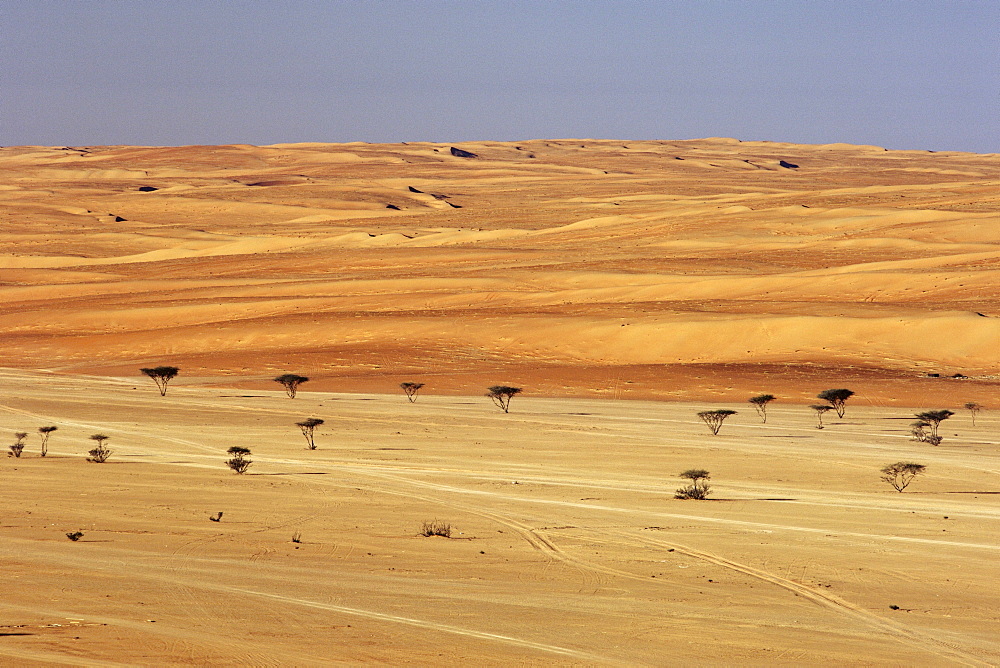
{"x": 436, "y": 528}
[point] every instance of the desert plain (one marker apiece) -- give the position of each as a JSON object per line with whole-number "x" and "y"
{"x": 625, "y": 286}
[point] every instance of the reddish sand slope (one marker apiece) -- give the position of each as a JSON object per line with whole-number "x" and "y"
{"x": 659, "y": 269}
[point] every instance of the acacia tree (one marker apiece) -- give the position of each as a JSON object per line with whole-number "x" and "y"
{"x": 502, "y": 394}
{"x": 18, "y": 446}
{"x": 901, "y": 474}
{"x": 100, "y": 453}
{"x": 820, "y": 409}
{"x": 240, "y": 460}
{"x": 760, "y": 403}
{"x": 291, "y": 382}
{"x": 698, "y": 489}
{"x": 714, "y": 419}
{"x": 836, "y": 398}
{"x": 161, "y": 375}
{"x": 973, "y": 408}
{"x": 411, "y": 390}
{"x": 308, "y": 428}
{"x": 934, "y": 420}
{"x": 46, "y": 432}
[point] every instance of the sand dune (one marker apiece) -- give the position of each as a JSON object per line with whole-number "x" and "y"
{"x": 561, "y": 262}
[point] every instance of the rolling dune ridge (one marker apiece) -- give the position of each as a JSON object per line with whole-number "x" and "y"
{"x": 534, "y": 259}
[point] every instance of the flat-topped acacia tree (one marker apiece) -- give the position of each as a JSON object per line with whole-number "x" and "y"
{"x": 901, "y": 474}
{"x": 836, "y": 399}
{"x": 934, "y": 420}
{"x": 714, "y": 419}
{"x": 291, "y": 382}
{"x": 411, "y": 390}
{"x": 308, "y": 428}
{"x": 46, "y": 432}
{"x": 760, "y": 403}
{"x": 502, "y": 394}
{"x": 974, "y": 409}
{"x": 161, "y": 375}
{"x": 820, "y": 409}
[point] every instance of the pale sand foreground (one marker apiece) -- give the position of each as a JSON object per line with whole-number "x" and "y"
{"x": 682, "y": 270}
{"x": 568, "y": 548}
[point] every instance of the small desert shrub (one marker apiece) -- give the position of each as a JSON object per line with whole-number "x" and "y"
{"x": 240, "y": 461}
{"x": 18, "y": 447}
{"x": 901, "y": 474}
{"x": 100, "y": 453}
{"x": 698, "y": 489}
{"x": 436, "y": 528}
{"x": 75, "y": 536}
{"x": 919, "y": 431}
{"x": 297, "y": 537}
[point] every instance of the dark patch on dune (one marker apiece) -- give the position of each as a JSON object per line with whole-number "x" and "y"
{"x": 414, "y": 190}
{"x": 439, "y": 196}
{"x": 787, "y": 165}
{"x": 393, "y": 207}
{"x": 147, "y": 189}
{"x": 454, "y": 206}
{"x": 459, "y": 153}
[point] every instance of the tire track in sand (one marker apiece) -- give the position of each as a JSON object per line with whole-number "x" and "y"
{"x": 897, "y": 631}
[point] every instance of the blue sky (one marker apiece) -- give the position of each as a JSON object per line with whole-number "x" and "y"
{"x": 913, "y": 74}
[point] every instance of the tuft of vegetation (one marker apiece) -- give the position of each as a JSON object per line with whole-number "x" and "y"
{"x": 501, "y": 395}
{"x": 760, "y": 403}
{"x": 714, "y": 419}
{"x": 18, "y": 447}
{"x": 291, "y": 383}
{"x": 239, "y": 461}
{"x": 901, "y": 474}
{"x": 698, "y": 489}
{"x": 161, "y": 375}
{"x": 933, "y": 419}
{"x": 974, "y": 409}
{"x": 436, "y": 528}
{"x": 46, "y": 432}
{"x": 836, "y": 399}
{"x": 100, "y": 453}
{"x": 820, "y": 409}
{"x": 297, "y": 537}
{"x": 919, "y": 431}
{"x": 308, "y": 428}
{"x": 75, "y": 536}
{"x": 411, "y": 390}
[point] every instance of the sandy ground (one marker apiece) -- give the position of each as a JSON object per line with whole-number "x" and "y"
{"x": 624, "y": 285}
{"x": 567, "y": 545}
{"x": 573, "y": 267}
